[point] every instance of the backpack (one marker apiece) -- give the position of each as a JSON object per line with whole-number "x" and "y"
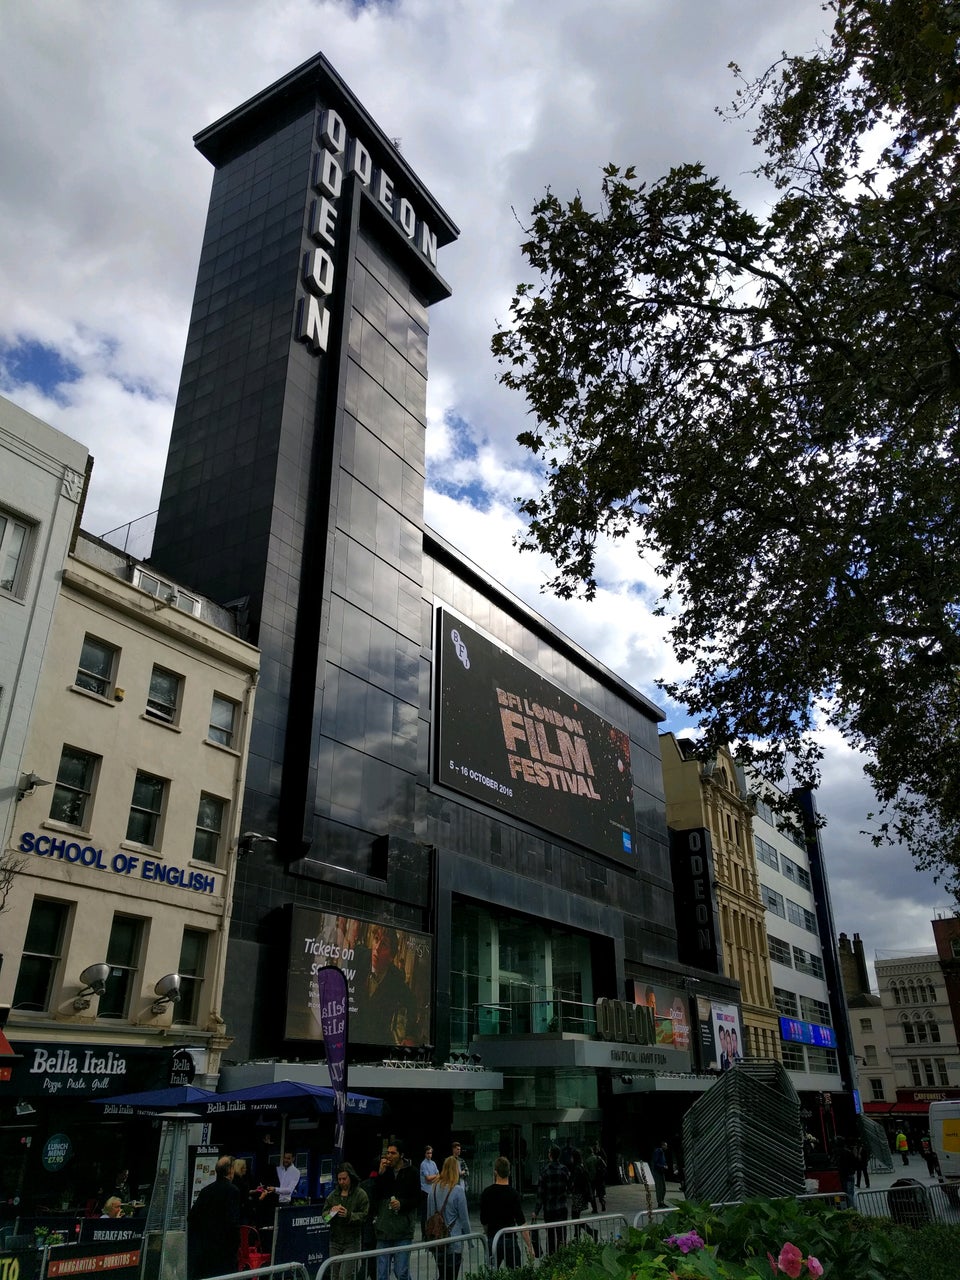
{"x": 435, "y": 1228}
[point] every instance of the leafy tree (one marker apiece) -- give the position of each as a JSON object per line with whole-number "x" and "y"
{"x": 768, "y": 405}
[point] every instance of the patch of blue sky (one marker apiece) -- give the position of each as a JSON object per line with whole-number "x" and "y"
{"x": 29, "y": 363}
{"x": 455, "y": 475}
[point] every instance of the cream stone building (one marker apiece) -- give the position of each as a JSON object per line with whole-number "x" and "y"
{"x": 42, "y": 481}
{"x": 114, "y": 944}
{"x": 713, "y": 797}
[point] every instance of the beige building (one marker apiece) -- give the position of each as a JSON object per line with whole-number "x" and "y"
{"x": 42, "y": 481}
{"x": 713, "y": 796}
{"x": 114, "y": 943}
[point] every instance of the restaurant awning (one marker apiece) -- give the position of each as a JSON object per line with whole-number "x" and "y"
{"x": 910, "y": 1109}
{"x": 288, "y": 1096}
{"x": 876, "y": 1108}
{"x": 155, "y": 1101}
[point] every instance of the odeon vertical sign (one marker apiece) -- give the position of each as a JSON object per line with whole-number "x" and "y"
{"x": 340, "y": 156}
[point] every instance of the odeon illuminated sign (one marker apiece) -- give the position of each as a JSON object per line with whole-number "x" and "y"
{"x": 626, "y": 1023}
{"x": 119, "y": 863}
{"x": 339, "y": 155}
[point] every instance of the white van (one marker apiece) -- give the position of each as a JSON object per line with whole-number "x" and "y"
{"x": 945, "y": 1138}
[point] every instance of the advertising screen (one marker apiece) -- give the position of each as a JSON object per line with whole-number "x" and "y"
{"x": 670, "y": 1012}
{"x": 514, "y": 740}
{"x": 387, "y": 972}
{"x": 807, "y": 1033}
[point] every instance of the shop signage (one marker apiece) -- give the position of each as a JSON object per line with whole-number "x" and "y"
{"x": 922, "y": 1097}
{"x": 694, "y": 899}
{"x": 183, "y": 1068}
{"x": 57, "y": 1152}
{"x": 123, "y": 864}
{"x": 302, "y": 1235}
{"x": 632, "y": 1023}
{"x": 342, "y": 155}
{"x": 92, "y": 1259}
{"x": 86, "y": 1070}
{"x": 19, "y": 1266}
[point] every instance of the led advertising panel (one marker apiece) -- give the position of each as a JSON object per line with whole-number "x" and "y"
{"x": 512, "y": 739}
{"x": 387, "y": 972}
{"x": 670, "y": 1012}
{"x": 807, "y": 1033}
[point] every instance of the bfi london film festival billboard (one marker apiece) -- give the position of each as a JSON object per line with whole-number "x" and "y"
{"x": 512, "y": 739}
{"x": 387, "y": 971}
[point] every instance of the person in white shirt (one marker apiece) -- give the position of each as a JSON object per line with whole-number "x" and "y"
{"x": 288, "y": 1177}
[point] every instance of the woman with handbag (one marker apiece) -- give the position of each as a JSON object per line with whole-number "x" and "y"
{"x": 447, "y": 1218}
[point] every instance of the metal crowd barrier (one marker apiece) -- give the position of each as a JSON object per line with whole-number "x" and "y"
{"x": 356, "y": 1266}
{"x": 288, "y": 1270}
{"x": 547, "y": 1237}
{"x": 646, "y": 1216}
{"x": 911, "y": 1205}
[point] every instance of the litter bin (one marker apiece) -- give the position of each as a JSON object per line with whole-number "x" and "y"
{"x": 907, "y": 1201}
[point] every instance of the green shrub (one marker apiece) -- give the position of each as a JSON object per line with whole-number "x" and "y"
{"x": 739, "y": 1237}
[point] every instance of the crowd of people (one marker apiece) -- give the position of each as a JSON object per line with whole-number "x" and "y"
{"x": 384, "y": 1209}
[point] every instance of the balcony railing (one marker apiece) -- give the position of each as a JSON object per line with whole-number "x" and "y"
{"x": 526, "y": 1017}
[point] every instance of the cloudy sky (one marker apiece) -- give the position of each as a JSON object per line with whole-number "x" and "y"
{"x": 103, "y": 202}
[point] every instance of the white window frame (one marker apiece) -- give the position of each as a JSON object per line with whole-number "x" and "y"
{"x": 12, "y": 523}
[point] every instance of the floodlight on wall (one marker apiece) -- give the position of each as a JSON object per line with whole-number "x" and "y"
{"x": 25, "y": 1109}
{"x": 167, "y": 992}
{"x": 28, "y": 784}
{"x": 249, "y": 840}
{"x": 94, "y": 979}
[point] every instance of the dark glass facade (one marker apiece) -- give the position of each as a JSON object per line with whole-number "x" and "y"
{"x": 295, "y": 484}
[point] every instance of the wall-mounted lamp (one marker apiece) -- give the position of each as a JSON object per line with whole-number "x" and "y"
{"x": 94, "y": 979}
{"x": 249, "y": 841}
{"x": 167, "y": 992}
{"x": 25, "y": 1109}
{"x": 28, "y": 784}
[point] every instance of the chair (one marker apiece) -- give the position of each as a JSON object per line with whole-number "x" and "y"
{"x": 250, "y": 1255}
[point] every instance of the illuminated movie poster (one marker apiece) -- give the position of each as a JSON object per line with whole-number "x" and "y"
{"x": 721, "y": 1038}
{"x": 670, "y": 1012}
{"x": 516, "y": 741}
{"x": 387, "y": 972}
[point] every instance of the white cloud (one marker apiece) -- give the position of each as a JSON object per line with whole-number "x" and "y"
{"x": 103, "y": 202}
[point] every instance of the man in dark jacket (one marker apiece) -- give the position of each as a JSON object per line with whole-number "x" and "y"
{"x": 213, "y": 1226}
{"x": 395, "y": 1207}
{"x": 553, "y": 1198}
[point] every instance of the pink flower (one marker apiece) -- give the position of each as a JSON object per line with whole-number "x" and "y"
{"x": 790, "y": 1260}
{"x": 813, "y": 1266}
{"x": 773, "y": 1265}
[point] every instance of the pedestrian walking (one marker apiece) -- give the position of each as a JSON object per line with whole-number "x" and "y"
{"x": 501, "y": 1206}
{"x": 660, "y": 1174}
{"x": 447, "y": 1198}
{"x": 903, "y": 1146}
{"x": 553, "y": 1197}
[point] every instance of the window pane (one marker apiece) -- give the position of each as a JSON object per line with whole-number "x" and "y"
{"x": 206, "y": 840}
{"x": 41, "y": 955}
{"x": 74, "y": 785}
{"x": 164, "y": 695}
{"x": 13, "y": 538}
{"x": 96, "y": 666}
{"x": 123, "y": 956}
{"x": 145, "y": 808}
{"x": 222, "y": 714}
{"x": 193, "y": 954}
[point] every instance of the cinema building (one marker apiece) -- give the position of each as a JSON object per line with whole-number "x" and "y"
{"x": 465, "y": 810}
